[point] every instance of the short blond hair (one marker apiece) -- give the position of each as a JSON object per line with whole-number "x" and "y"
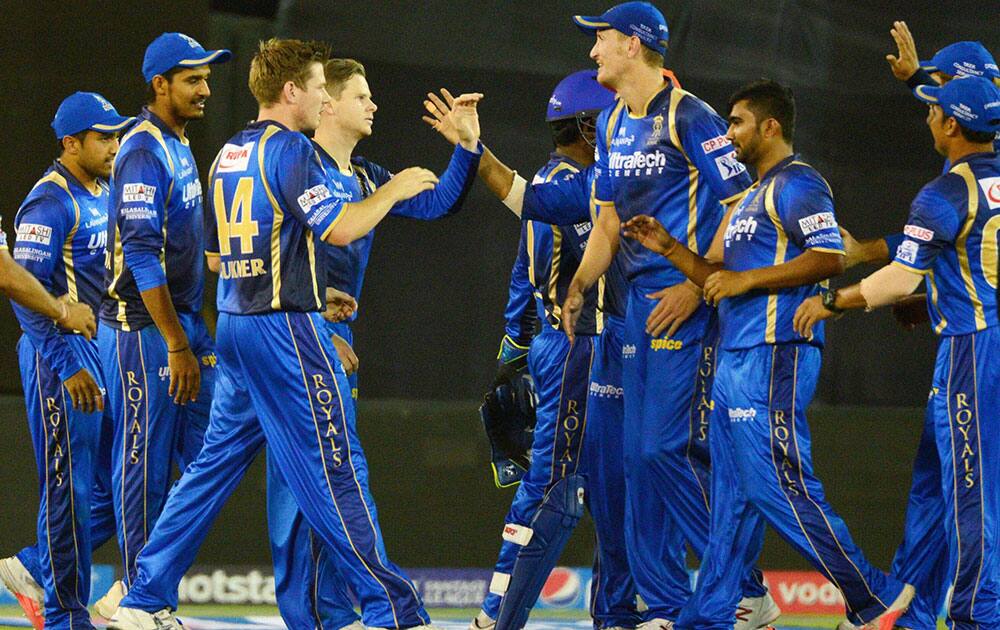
{"x": 279, "y": 61}
{"x": 338, "y": 72}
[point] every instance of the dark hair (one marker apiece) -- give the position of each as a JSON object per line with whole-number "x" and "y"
{"x": 976, "y": 137}
{"x": 564, "y": 131}
{"x": 79, "y": 136}
{"x": 168, "y": 75}
{"x": 769, "y": 99}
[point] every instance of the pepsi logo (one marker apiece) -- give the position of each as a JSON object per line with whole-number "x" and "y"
{"x": 562, "y": 589}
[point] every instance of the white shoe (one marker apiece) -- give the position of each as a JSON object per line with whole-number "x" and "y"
{"x": 357, "y": 625}
{"x": 107, "y": 605}
{"x": 135, "y": 619}
{"x": 482, "y": 621}
{"x": 25, "y": 589}
{"x": 756, "y": 612}
{"x": 656, "y": 624}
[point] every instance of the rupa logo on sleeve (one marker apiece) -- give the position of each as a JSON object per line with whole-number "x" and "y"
{"x": 817, "y": 222}
{"x": 34, "y": 233}
{"x": 313, "y": 196}
{"x": 138, "y": 193}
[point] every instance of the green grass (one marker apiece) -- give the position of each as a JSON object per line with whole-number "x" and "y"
{"x": 791, "y": 621}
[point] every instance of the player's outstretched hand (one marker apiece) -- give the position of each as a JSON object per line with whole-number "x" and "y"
{"x": 911, "y": 311}
{"x": 439, "y": 118}
{"x": 84, "y": 392}
{"x": 79, "y": 317}
{"x": 465, "y": 119}
{"x": 346, "y": 354}
{"x": 571, "y": 309}
{"x": 808, "y": 314}
{"x": 905, "y": 63}
{"x": 410, "y": 183}
{"x": 724, "y": 283}
{"x": 185, "y": 376}
{"x": 675, "y": 305}
{"x": 339, "y": 305}
{"x": 650, "y": 234}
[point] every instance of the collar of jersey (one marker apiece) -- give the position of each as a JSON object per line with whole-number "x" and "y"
{"x": 668, "y": 86}
{"x": 326, "y": 156}
{"x": 260, "y": 124}
{"x": 780, "y": 166}
{"x": 559, "y": 157}
{"x": 146, "y": 114}
{"x": 977, "y": 156}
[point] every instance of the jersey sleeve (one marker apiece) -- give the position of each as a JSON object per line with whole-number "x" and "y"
{"x": 41, "y": 230}
{"x": 520, "y": 315}
{"x": 603, "y": 191}
{"x": 447, "y": 197}
{"x": 702, "y": 134}
{"x": 931, "y": 228}
{"x": 805, "y": 207}
{"x": 303, "y": 185}
{"x": 561, "y": 201}
{"x": 142, "y": 183}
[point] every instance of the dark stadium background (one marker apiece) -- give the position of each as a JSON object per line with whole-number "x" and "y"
{"x": 431, "y": 312}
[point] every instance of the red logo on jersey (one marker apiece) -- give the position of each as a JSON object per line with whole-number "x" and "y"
{"x": 993, "y": 194}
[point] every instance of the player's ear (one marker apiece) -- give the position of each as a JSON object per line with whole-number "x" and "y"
{"x": 290, "y": 91}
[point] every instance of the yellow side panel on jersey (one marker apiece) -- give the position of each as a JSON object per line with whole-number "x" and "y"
{"x": 961, "y": 248}
{"x": 279, "y": 217}
{"x": 67, "y": 248}
{"x": 780, "y": 248}
{"x": 676, "y": 95}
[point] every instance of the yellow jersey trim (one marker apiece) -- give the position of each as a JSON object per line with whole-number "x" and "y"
{"x": 961, "y": 243}
{"x": 780, "y": 250}
{"x": 279, "y": 217}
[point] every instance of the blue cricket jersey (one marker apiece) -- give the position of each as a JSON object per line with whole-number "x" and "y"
{"x": 786, "y": 213}
{"x": 269, "y": 201}
{"x": 951, "y": 238}
{"x": 673, "y": 162}
{"x": 155, "y": 225}
{"x": 61, "y": 236}
{"x": 345, "y": 265}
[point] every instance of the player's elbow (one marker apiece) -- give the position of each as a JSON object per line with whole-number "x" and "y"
{"x": 339, "y": 236}
{"x": 7, "y": 272}
{"x": 214, "y": 263}
{"x": 838, "y": 265}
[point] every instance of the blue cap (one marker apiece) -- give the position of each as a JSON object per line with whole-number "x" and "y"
{"x": 578, "y": 93}
{"x": 87, "y": 110}
{"x": 973, "y": 101}
{"x": 171, "y": 50}
{"x": 963, "y": 59}
{"x": 631, "y": 18}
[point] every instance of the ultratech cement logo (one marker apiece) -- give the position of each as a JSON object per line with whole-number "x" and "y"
{"x": 605, "y": 391}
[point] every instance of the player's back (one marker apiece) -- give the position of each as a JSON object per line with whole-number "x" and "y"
{"x": 958, "y": 224}
{"x": 267, "y": 193}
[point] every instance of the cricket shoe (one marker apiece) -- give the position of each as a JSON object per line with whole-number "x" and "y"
{"x": 25, "y": 589}
{"x": 888, "y": 619}
{"x": 135, "y": 619}
{"x": 357, "y": 625}
{"x": 107, "y": 605}
{"x": 482, "y": 621}
{"x": 426, "y": 626}
{"x": 756, "y": 612}
{"x": 656, "y": 624}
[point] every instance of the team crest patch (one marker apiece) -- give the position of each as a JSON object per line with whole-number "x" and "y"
{"x": 313, "y": 196}
{"x": 729, "y": 166}
{"x": 34, "y": 233}
{"x": 817, "y": 222}
{"x": 138, "y": 193}
{"x": 907, "y": 252}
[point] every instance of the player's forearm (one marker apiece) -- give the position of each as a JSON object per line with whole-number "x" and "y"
{"x": 22, "y": 287}
{"x": 873, "y": 251}
{"x": 359, "y": 218}
{"x": 808, "y": 268}
{"x": 602, "y": 245}
{"x": 161, "y": 308}
{"x": 696, "y": 268}
{"x": 497, "y": 176}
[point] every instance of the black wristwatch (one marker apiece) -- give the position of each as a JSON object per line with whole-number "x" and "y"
{"x": 829, "y": 297}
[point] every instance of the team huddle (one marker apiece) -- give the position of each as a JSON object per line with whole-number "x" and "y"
{"x": 663, "y": 341}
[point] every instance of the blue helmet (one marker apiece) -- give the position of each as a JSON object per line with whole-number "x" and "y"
{"x": 578, "y": 94}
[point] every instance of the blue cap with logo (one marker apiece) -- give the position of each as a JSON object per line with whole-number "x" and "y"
{"x": 578, "y": 93}
{"x": 81, "y": 111}
{"x": 963, "y": 59}
{"x": 171, "y": 50}
{"x": 973, "y": 101}
{"x": 631, "y": 18}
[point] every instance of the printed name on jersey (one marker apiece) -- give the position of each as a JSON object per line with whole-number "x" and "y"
{"x": 138, "y": 193}
{"x": 919, "y": 233}
{"x": 817, "y": 222}
{"x": 312, "y": 196}
{"x": 234, "y": 158}
{"x": 34, "y": 233}
{"x": 729, "y": 167}
{"x": 137, "y": 213}
{"x": 907, "y": 252}
{"x": 716, "y": 143}
{"x": 991, "y": 188}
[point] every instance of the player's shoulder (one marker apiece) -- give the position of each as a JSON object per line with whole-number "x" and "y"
{"x": 689, "y": 107}
{"x": 558, "y": 167}
{"x": 799, "y": 174}
{"x": 373, "y": 170}
{"x": 946, "y": 191}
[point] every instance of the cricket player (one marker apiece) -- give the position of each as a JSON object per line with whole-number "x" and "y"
{"x": 159, "y": 357}
{"x": 779, "y": 244}
{"x": 660, "y": 150}
{"x": 272, "y": 207}
{"x": 61, "y": 232}
{"x": 309, "y": 588}
{"x": 950, "y": 243}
